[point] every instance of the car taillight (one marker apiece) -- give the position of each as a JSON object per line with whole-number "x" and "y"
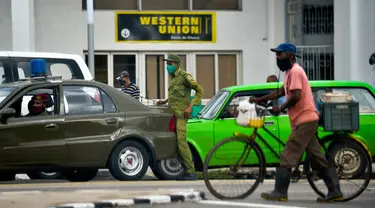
{"x": 172, "y": 124}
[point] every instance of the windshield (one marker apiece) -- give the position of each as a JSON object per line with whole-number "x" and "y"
{"x": 5, "y": 91}
{"x": 214, "y": 105}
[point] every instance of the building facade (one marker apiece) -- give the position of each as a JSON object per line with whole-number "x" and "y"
{"x": 335, "y": 37}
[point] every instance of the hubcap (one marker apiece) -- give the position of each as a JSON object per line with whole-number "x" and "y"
{"x": 130, "y": 161}
{"x": 172, "y": 167}
{"x": 349, "y": 160}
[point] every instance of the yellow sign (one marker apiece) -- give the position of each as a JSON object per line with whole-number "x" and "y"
{"x": 166, "y": 26}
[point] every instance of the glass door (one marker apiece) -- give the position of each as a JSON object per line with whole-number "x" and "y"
{"x": 102, "y": 64}
{"x": 123, "y": 62}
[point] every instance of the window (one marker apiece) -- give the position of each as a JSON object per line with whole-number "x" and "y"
{"x": 45, "y": 104}
{"x": 5, "y": 91}
{"x": 227, "y": 70}
{"x": 124, "y": 63}
{"x": 155, "y": 76}
{"x": 213, "y": 106}
{"x": 113, "y": 4}
{"x": 216, "y": 5}
{"x": 2, "y": 73}
{"x": 318, "y": 19}
{"x": 165, "y": 5}
{"x": 231, "y": 110}
{"x": 101, "y": 67}
{"x": 109, "y": 106}
{"x": 67, "y": 68}
{"x": 365, "y": 99}
{"x": 82, "y": 100}
{"x": 205, "y": 73}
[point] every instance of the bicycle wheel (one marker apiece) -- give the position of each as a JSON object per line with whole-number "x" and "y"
{"x": 242, "y": 153}
{"x": 353, "y": 166}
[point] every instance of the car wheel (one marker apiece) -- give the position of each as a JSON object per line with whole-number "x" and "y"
{"x": 44, "y": 175}
{"x": 80, "y": 175}
{"x": 354, "y": 163}
{"x": 168, "y": 169}
{"x": 128, "y": 161}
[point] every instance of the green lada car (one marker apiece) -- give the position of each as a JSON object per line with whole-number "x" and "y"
{"x": 217, "y": 121}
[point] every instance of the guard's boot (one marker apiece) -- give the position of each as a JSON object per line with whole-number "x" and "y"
{"x": 280, "y": 192}
{"x": 187, "y": 177}
{"x": 332, "y": 182}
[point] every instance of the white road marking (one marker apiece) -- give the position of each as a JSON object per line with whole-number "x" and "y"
{"x": 239, "y": 204}
{"x": 156, "y": 199}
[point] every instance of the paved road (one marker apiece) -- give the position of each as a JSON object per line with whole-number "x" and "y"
{"x": 30, "y": 194}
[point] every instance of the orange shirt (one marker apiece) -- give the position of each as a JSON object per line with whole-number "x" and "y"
{"x": 305, "y": 110}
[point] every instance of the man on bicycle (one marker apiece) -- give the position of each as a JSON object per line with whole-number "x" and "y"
{"x": 304, "y": 122}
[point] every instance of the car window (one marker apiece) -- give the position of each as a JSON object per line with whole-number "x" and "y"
{"x": 232, "y": 107}
{"x": 365, "y": 99}
{"x": 109, "y": 106}
{"x": 45, "y": 105}
{"x": 5, "y": 91}
{"x": 214, "y": 105}
{"x": 66, "y": 68}
{"x": 81, "y": 100}
{"x": 2, "y": 73}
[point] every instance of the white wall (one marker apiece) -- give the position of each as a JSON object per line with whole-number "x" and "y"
{"x": 354, "y": 39}
{"x": 5, "y": 25}
{"x": 60, "y": 26}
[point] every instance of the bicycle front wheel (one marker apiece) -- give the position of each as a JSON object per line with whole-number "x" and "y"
{"x": 234, "y": 168}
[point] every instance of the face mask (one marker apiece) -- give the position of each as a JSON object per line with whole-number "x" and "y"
{"x": 121, "y": 82}
{"x": 284, "y": 64}
{"x": 38, "y": 109}
{"x": 171, "y": 69}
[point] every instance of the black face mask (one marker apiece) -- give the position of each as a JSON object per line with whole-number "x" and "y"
{"x": 284, "y": 64}
{"x": 121, "y": 82}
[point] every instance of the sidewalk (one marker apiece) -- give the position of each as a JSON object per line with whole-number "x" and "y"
{"x": 40, "y": 199}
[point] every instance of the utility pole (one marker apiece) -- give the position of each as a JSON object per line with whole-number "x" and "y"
{"x": 90, "y": 36}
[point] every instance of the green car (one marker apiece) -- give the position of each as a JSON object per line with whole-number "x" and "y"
{"x": 217, "y": 121}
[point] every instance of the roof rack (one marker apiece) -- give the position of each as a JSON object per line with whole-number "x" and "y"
{"x": 43, "y": 78}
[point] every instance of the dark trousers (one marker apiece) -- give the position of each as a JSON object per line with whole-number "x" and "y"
{"x": 303, "y": 138}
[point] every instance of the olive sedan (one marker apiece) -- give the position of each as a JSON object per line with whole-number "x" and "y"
{"x": 81, "y": 127}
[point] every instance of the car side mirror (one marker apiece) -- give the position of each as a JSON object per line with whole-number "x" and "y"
{"x": 372, "y": 59}
{"x": 7, "y": 113}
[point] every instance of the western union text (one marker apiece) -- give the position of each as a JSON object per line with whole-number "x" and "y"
{"x": 173, "y": 25}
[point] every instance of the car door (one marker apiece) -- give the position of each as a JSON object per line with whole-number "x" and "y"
{"x": 39, "y": 139}
{"x": 225, "y": 127}
{"x": 92, "y": 120}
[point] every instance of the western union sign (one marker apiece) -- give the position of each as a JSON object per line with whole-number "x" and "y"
{"x": 166, "y": 26}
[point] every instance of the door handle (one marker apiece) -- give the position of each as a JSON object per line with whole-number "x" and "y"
{"x": 51, "y": 126}
{"x": 111, "y": 120}
{"x": 269, "y": 123}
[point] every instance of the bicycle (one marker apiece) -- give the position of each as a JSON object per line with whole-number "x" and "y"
{"x": 251, "y": 146}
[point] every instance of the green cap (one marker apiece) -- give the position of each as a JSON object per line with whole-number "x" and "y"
{"x": 173, "y": 58}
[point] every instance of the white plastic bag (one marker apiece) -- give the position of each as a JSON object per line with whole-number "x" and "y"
{"x": 246, "y": 112}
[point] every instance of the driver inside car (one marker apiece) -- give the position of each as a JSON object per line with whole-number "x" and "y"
{"x": 37, "y": 105}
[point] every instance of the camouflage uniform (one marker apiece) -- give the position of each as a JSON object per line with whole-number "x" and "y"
{"x": 179, "y": 92}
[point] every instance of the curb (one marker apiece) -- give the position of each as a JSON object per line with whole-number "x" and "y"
{"x": 183, "y": 196}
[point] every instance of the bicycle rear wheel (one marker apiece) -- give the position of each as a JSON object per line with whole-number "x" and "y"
{"x": 239, "y": 162}
{"x": 353, "y": 166}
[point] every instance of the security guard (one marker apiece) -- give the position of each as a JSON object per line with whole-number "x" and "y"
{"x": 179, "y": 92}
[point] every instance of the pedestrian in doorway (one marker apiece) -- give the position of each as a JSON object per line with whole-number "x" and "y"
{"x": 179, "y": 92}
{"x": 304, "y": 122}
{"x": 127, "y": 85}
